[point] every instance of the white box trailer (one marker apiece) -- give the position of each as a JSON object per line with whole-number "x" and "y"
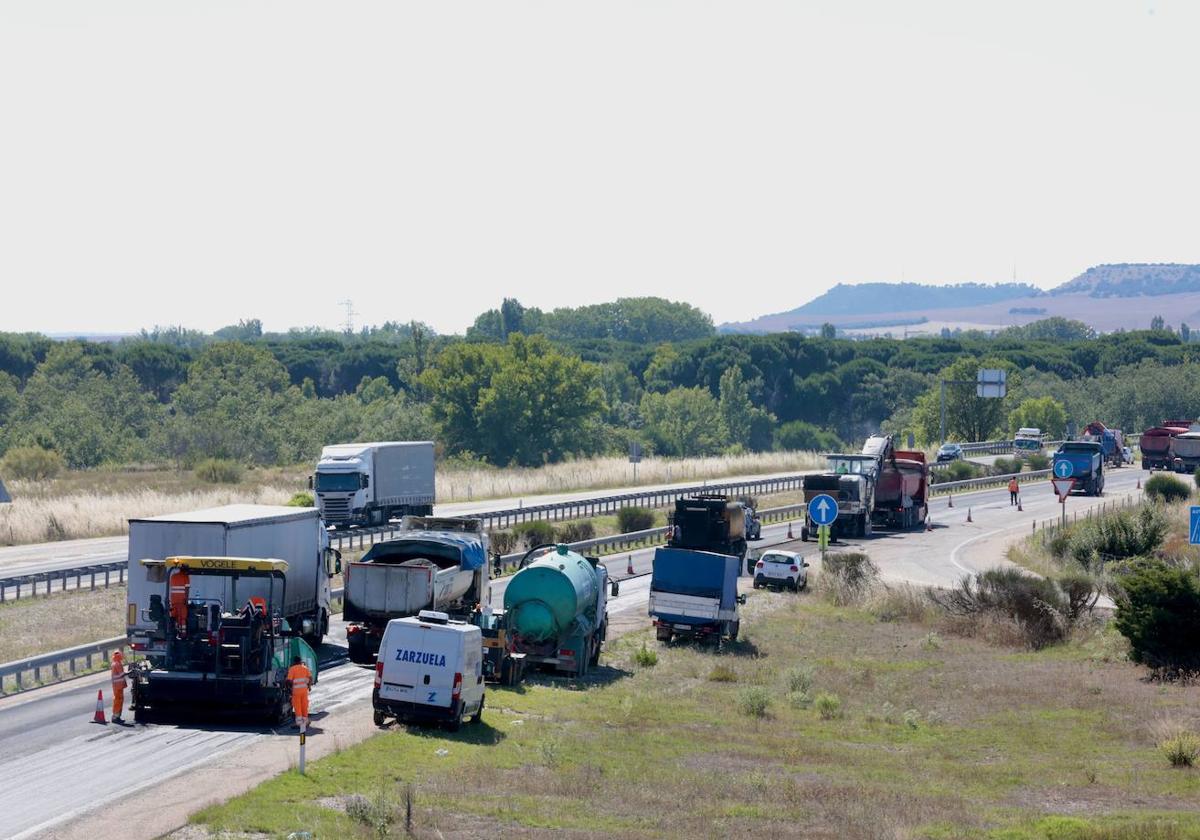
{"x": 274, "y": 532}
{"x": 370, "y": 483}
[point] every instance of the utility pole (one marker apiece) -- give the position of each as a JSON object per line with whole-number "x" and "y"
{"x": 350, "y": 313}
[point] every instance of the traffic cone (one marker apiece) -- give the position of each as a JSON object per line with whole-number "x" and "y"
{"x": 629, "y": 565}
{"x": 790, "y": 531}
{"x": 1139, "y": 487}
{"x": 969, "y": 519}
{"x": 99, "y": 716}
{"x": 1019, "y": 508}
{"x": 928, "y": 524}
{"x": 951, "y": 502}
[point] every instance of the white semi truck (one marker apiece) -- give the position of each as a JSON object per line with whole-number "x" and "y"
{"x": 370, "y": 483}
{"x": 294, "y": 535}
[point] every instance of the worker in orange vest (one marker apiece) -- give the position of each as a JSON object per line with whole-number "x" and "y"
{"x": 1013, "y": 490}
{"x": 300, "y": 679}
{"x": 180, "y": 581}
{"x": 118, "y": 685}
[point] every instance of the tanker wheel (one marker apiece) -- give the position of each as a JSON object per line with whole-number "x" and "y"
{"x": 506, "y": 672}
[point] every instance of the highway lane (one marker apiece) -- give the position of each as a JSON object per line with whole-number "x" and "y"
{"x": 68, "y": 554}
{"x": 56, "y": 764}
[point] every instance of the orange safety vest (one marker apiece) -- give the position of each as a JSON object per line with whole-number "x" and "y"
{"x": 180, "y": 581}
{"x": 118, "y": 674}
{"x": 1013, "y": 487}
{"x": 300, "y": 677}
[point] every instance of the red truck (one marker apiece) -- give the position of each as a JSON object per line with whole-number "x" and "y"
{"x": 902, "y": 485}
{"x": 1155, "y": 444}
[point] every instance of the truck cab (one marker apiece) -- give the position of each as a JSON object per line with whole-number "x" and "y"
{"x": 1028, "y": 440}
{"x": 851, "y": 480}
{"x": 370, "y": 483}
{"x": 340, "y": 486}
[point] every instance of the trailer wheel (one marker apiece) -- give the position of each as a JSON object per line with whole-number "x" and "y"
{"x": 380, "y": 717}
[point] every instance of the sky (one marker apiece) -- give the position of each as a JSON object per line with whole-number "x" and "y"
{"x": 197, "y": 163}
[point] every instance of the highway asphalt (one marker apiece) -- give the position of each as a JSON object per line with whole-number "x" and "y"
{"x": 57, "y": 765}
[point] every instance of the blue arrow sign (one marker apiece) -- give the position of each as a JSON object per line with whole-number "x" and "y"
{"x": 1064, "y": 469}
{"x": 1194, "y": 527}
{"x": 823, "y": 509}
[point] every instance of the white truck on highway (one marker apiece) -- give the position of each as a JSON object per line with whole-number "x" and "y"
{"x": 369, "y": 483}
{"x": 295, "y": 535}
{"x": 433, "y": 564}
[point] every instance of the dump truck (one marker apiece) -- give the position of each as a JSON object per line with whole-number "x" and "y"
{"x": 709, "y": 522}
{"x": 556, "y": 610}
{"x": 1185, "y": 452}
{"x": 372, "y": 483}
{"x": 1155, "y": 444}
{"x": 1087, "y": 465}
{"x": 295, "y": 535}
{"x": 1111, "y": 441}
{"x": 229, "y": 647}
{"x": 901, "y": 490}
{"x": 433, "y": 563}
{"x": 693, "y": 595}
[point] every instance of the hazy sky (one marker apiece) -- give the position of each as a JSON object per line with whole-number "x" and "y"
{"x": 195, "y": 163}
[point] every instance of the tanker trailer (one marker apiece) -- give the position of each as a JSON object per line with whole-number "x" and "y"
{"x": 901, "y": 490}
{"x": 556, "y": 610}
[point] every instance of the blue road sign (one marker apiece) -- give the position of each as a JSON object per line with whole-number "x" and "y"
{"x": 1194, "y": 526}
{"x": 823, "y": 509}
{"x": 1064, "y": 469}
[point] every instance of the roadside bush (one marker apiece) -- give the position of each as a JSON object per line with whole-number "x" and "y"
{"x": 847, "y": 577}
{"x": 829, "y": 706}
{"x": 1158, "y": 611}
{"x": 219, "y": 471}
{"x": 1117, "y": 536}
{"x": 1082, "y": 593}
{"x": 645, "y": 658}
{"x": 1035, "y": 604}
{"x": 1181, "y": 749}
{"x": 1196, "y": 477}
{"x": 1038, "y": 461}
{"x": 800, "y": 680}
{"x": 300, "y": 500}
{"x": 534, "y": 533}
{"x": 1162, "y": 487}
{"x": 1004, "y": 466}
{"x": 634, "y": 519}
{"x": 502, "y": 542}
{"x": 753, "y": 701}
{"x": 960, "y": 471}
{"x": 573, "y": 532}
{"x": 31, "y": 463}
{"x": 722, "y": 673}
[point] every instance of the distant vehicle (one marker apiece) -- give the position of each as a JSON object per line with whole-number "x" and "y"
{"x": 431, "y": 669}
{"x": 709, "y": 522}
{"x": 1028, "y": 440}
{"x": 1156, "y": 443}
{"x": 1087, "y": 465}
{"x": 781, "y": 569}
{"x": 1127, "y": 454}
{"x": 370, "y": 483}
{"x": 1111, "y": 442}
{"x": 949, "y": 452}
{"x": 753, "y": 525}
{"x": 1185, "y": 449}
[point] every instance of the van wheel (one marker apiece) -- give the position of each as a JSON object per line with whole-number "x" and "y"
{"x": 478, "y": 716}
{"x": 380, "y": 718}
{"x": 456, "y": 724}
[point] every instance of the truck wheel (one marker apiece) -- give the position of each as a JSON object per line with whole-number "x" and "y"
{"x": 733, "y": 630}
{"x": 663, "y": 634}
{"x": 506, "y": 672}
{"x": 867, "y": 529}
{"x": 804, "y": 533}
{"x": 380, "y": 718}
{"x": 478, "y": 716}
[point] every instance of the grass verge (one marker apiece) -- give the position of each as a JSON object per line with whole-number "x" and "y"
{"x": 40, "y": 625}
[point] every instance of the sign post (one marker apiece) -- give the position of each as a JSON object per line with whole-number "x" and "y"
{"x": 823, "y": 511}
{"x": 1063, "y": 484}
{"x": 301, "y": 752}
{"x": 635, "y": 457}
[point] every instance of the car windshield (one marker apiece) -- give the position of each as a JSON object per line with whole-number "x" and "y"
{"x": 337, "y": 482}
{"x": 949, "y": 447}
{"x": 777, "y": 558}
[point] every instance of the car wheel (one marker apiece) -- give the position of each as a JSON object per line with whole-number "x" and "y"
{"x": 804, "y": 583}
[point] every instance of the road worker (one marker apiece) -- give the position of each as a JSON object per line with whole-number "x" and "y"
{"x": 1013, "y": 490}
{"x": 180, "y": 582}
{"x": 118, "y": 685}
{"x": 300, "y": 678}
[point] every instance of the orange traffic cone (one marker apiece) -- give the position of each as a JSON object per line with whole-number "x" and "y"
{"x": 951, "y": 502}
{"x": 99, "y": 716}
{"x": 629, "y": 565}
{"x": 969, "y": 519}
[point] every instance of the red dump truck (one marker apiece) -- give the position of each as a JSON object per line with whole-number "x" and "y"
{"x": 1156, "y": 444}
{"x": 902, "y": 489}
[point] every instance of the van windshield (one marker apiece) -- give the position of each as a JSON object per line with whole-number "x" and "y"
{"x": 337, "y": 482}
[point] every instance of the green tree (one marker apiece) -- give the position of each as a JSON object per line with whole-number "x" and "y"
{"x": 683, "y": 422}
{"x": 968, "y": 417}
{"x": 798, "y": 435}
{"x": 828, "y": 330}
{"x": 1158, "y": 611}
{"x": 1045, "y": 413}
{"x": 244, "y": 330}
{"x": 1157, "y": 322}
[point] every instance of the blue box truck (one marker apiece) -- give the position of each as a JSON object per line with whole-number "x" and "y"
{"x": 693, "y": 594}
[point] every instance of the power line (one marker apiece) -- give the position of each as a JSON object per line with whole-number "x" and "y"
{"x": 350, "y": 313}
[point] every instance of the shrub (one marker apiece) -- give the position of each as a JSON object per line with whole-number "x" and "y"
{"x": 31, "y": 463}
{"x": 634, "y": 519}
{"x": 301, "y": 500}
{"x": 1035, "y": 604}
{"x": 1181, "y": 749}
{"x": 1158, "y": 611}
{"x": 1081, "y": 591}
{"x": 848, "y": 576}
{"x": 573, "y": 532}
{"x": 502, "y": 542}
{"x": 219, "y": 471}
{"x": 829, "y": 706}
{"x": 534, "y": 533}
{"x": 645, "y": 657}
{"x": 753, "y": 701}
{"x": 960, "y": 471}
{"x": 1038, "y": 461}
{"x": 800, "y": 680}
{"x": 1004, "y": 466}
{"x": 1116, "y": 536}
{"x": 797, "y": 435}
{"x": 722, "y": 673}
{"x": 1161, "y": 487}
{"x": 1196, "y": 477}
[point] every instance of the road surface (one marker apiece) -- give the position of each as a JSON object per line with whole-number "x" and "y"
{"x": 57, "y": 766}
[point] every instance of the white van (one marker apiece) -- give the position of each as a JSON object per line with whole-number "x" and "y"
{"x": 429, "y": 668}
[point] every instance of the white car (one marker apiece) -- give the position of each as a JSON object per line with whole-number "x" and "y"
{"x": 781, "y": 568}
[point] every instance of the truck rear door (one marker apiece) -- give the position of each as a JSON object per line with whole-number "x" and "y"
{"x": 419, "y": 663}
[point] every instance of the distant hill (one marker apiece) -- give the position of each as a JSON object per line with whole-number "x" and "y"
{"x": 885, "y": 298}
{"x": 1133, "y": 280}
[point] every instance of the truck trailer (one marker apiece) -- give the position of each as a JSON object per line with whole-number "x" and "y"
{"x": 371, "y": 483}
{"x": 709, "y": 522}
{"x": 433, "y": 564}
{"x": 1112, "y": 442}
{"x": 1185, "y": 452}
{"x": 901, "y": 490}
{"x": 1155, "y": 444}
{"x": 294, "y": 535}
{"x": 693, "y": 595}
{"x": 1087, "y": 465}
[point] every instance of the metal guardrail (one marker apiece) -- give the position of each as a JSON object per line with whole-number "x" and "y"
{"x": 986, "y": 481}
{"x": 73, "y": 661}
{"x": 100, "y": 574}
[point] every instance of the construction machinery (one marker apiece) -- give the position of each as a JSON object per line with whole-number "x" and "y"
{"x": 228, "y": 647}
{"x": 709, "y": 522}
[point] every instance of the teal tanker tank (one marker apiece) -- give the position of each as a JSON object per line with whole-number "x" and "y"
{"x": 555, "y": 609}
